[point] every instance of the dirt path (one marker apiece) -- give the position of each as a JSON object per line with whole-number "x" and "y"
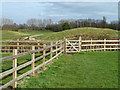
{"x": 31, "y": 37}
{"x": 36, "y": 35}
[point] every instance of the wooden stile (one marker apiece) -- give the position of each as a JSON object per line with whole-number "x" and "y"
{"x": 33, "y": 57}
{"x": 14, "y": 66}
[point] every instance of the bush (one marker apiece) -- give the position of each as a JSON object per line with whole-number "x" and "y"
{"x": 66, "y": 26}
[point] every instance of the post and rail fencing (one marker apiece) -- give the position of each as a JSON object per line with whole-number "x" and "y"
{"x": 73, "y": 46}
{"x": 66, "y": 46}
{"x": 22, "y": 46}
{"x": 53, "y": 48}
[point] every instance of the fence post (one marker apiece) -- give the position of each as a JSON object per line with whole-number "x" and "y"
{"x": 14, "y": 66}
{"x": 33, "y": 57}
{"x": 38, "y": 47}
{"x": 118, "y": 44}
{"x": 44, "y": 45}
{"x": 61, "y": 46}
{"x": 18, "y": 45}
{"x": 51, "y": 49}
{"x": 80, "y": 43}
{"x": 91, "y": 45}
{"x": 56, "y": 48}
{"x": 65, "y": 41}
{"x": 104, "y": 44}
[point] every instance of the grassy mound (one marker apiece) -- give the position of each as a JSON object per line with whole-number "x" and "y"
{"x": 86, "y": 33}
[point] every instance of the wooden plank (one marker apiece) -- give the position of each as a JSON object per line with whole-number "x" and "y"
{"x": 14, "y": 66}
{"x": 91, "y": 45}
{"x": 18, "y": 44}
{"x": 61, "y": 46}
{"x": 104, "y": 44}
{"x": 72, "y": 43}
{"x": 51, "y": 49}
{"x": 80, "y": 43}
{"x": 65, "y": 41}
{"x": 101, "y": 40}
{"x": 71, "y": 46}
{"x": 33, "y": 64}
{"x": 101, "y": 44}
{"x": 44, "y": 54}
{"x": 56, "y": 48}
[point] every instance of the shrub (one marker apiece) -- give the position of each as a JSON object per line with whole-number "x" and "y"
{"x": 66, "y": 26}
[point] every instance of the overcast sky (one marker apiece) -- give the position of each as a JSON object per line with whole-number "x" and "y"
{"x": 21, "y": 11}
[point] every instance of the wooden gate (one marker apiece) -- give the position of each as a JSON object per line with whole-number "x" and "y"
{"x": 73, "y": 46}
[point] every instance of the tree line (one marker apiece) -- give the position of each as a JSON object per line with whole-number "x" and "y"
{"x": 48, "y": 24}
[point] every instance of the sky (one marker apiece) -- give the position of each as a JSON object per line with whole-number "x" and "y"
{"x": 20, "y": 12}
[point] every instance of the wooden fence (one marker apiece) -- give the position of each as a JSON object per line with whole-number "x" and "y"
{"x": 58, "y": 50}
{"x": 66, "y": 46}
{"x": 91, "y": 45}
{"x": 22, "y": 46}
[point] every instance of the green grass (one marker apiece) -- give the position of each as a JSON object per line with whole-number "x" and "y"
{"x": 86, "y": 33}
{"x": 13, "y": 35}
{"x": 81, "y": 70}
{"x": 6, "y": 65}
{"x": 35, "y": 32}
{"x": 10, "y": 35}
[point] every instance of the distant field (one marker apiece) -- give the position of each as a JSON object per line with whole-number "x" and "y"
{"x": 13, "y": 35}
{"x": 86, "y": 33}
{"x": 10, "y": 35}
{"x": 81, "y": 70}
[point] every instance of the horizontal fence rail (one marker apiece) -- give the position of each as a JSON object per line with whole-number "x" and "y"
{"x": 53, "y": 49}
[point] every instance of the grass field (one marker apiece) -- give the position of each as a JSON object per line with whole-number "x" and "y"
{"x": 21, "y": 60}
{"x": 10, "y": 35}
{"x": 81, "y": 70}
{"x": 13, "y": 35}
{"x": 86, "y": 33}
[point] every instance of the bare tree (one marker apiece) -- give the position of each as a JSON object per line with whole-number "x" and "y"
{"x": 6, "y": 21}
